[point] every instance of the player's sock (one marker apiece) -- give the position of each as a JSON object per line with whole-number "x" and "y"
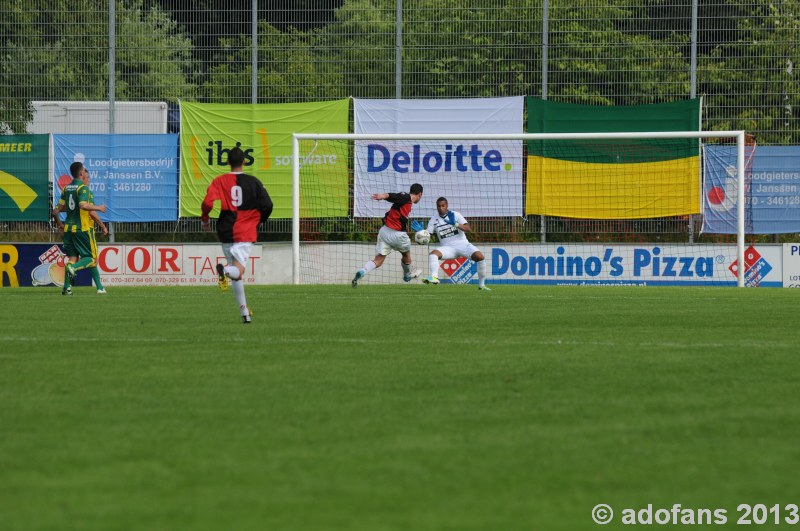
{"x": 232, "y": 272}
{"x": 406, "y": 268}
{"x": 481, "y": 273}
{"x": 433, "y": 264}
{"x": 96, "y": 277}
{"x": 369, "y": 266}
{"x": 83, "y": 263}
{"x": 238, "y": 290}
{"x": 67, "y": 283}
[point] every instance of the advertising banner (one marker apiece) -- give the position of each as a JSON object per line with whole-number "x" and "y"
{"x": 479, "y": 178}
{"x": 24, "y": 183}
{"x": 168, "y": 265}
{"x": 772, "y": 196}
{"x": 264, "y": 133}
{"x": 35, "y": 264}
{"x": 613, "y": 179}
{"x": 641, "y": 265}
{"x": 135, "y": 176}
{"x": 791, "y": 265}
{"x": 573, "y": 264}
{"x": 124, "y": 265}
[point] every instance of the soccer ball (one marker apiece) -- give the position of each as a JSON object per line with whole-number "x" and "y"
{"x": 422, "y": 237}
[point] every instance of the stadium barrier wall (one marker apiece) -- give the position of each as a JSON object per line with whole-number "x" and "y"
{"x": 767, "y": 265}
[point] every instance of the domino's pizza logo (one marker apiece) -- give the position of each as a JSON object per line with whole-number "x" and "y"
{"x": 756, "y": 267}
{"x": 459, "y": 270}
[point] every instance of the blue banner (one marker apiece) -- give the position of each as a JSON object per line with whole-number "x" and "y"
{"x": 772, "y": 190}
{"x": 36, "y": 264}
{"x": 135, "y": 176}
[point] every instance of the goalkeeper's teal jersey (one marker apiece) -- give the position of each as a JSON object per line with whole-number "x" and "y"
{"x": 72, "y": 196}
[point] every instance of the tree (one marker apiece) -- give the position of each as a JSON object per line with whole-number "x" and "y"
{"x": 749, "y": 80}
{"x": 58, "y": 50}
{"x": 292, "y": 66}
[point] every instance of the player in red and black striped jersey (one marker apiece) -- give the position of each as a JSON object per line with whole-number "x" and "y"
{"x": 393, "y": 235}
{"x": 245, "y": 203}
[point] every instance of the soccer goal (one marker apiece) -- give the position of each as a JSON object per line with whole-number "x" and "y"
{"x": 567, "y": 208}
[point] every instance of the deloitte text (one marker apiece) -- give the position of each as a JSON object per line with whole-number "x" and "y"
{"x": 459, "y": 159}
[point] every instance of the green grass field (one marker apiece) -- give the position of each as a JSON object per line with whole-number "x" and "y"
{"x": 393, "y": 408}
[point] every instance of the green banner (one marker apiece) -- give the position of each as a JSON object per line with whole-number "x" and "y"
{"x": 24, "y": 177}
{"x": 613, "y": 179}
{"x": 264, "y": 133}
{"x": 546, "y": 116}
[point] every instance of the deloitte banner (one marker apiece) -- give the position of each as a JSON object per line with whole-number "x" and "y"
{"x": 24, "y": 185}
{"x": 772, "y": 201}
{"x": 479, "y": 178}
{"x": 135, "y": 176}
{"x": 264, "y": 133}
{"x": 613, "y": 179}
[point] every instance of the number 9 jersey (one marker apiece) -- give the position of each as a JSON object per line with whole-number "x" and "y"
{"x": 245, "y": 203}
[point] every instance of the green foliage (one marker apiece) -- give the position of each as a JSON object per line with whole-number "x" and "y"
{"x": 292, "y": 67}
{"x": 58, "y": 50}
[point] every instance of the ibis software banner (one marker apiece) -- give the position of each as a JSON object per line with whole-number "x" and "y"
{"x": 772, "y": 202}
{"x": 135, "y": 176}
{"x": 613, "y": 179}
{"x": 24, "y": 183}
{"x": 264, "y": 133}
{"x": 479, "y": 177}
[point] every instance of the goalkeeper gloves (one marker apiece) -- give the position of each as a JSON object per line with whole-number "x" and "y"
{"x": 451, "y": 219}
{"x": 417, "y": 226}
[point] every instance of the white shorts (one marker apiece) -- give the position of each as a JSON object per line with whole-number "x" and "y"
{"x": 239, "y": 251}
{"x": 392, "y": 240}
{"x": 455, "y": 250}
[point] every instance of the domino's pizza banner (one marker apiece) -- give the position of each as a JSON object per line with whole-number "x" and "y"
{"x": 478, "y": 177}
{"x": 640, "y": 265}
{"x": 772, "y": 200}
{"x": 135, "y": 176}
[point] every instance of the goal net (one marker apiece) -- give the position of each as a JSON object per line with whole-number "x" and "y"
{"x": 577, "y": 208}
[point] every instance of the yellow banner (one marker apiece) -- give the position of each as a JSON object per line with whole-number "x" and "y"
{"x": 613, "y": 191}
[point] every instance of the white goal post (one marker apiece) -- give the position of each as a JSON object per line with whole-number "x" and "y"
{"x": 352, "y": 139}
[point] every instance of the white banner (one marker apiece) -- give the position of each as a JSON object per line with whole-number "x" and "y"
{"x": 791, "y": 265}
{"x": 567, "y": 264}
{"x": 625, "y": 264}
{"x": 479, "y": 178}
{"x": 168, "y": 264}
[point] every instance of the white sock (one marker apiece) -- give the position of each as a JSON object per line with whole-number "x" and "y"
{"x": 433, "y": 263}
{"x": 369, "y": 266}
{"x": 238, "y": 290}
{"x": 232, "y": 272}
{"x": 481, "y": 272}
{"x": 406, "y": 268}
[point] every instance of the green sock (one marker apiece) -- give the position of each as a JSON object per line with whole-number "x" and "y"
{"x": 66, "y": 279}
{"x": 96, "y": 277}
{"x": 83, "y": 263}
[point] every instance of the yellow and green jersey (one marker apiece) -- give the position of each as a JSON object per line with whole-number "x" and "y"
{"x": 72, "y": 196}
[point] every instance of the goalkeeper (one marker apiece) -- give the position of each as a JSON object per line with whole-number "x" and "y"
{"x": 451, "y": 228}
